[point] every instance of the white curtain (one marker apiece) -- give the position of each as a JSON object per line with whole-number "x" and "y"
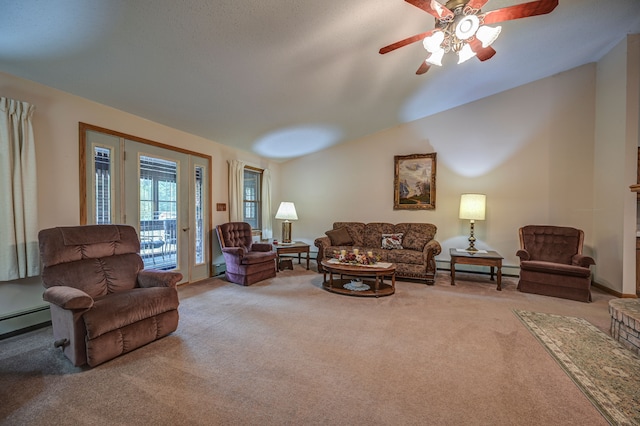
{"x": 267, "y": 230}
{"x": 236, "y": 190}
{"x": 18, "y": 192}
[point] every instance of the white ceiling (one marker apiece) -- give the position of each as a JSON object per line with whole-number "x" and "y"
{"x": 283, "y": 78}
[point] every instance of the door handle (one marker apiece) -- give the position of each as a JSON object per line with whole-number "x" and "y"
{"x": 185, "y": 229}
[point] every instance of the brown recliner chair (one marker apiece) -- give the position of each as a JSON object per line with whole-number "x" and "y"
{"x": 247, "y": 262}
{"x": 103, "y": 304}
{"x": 552, "y": 263}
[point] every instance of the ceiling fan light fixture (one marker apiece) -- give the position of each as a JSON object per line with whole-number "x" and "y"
{"x": 460, "y": 28}
{"x": 436, "y": 58}
{"x": 465, "y": 53}
{"x": 433, "y": 42}
{"x": 467, "y": 27}
{"x": 487, "y": 35}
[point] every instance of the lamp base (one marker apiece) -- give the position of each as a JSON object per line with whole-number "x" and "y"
{"x": 286, "y": 232}
{"x": 472, "y": 240}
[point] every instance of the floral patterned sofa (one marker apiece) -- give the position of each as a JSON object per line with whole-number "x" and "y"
{"x": 411, "y": 246}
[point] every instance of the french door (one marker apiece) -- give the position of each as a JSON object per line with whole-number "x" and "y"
{"x": 163, "y": 193}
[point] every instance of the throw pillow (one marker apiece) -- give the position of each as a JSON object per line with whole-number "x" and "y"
{"x": 340, "y": 237}
{"x": 392, "y": 241}
{"x": 414, "y": 240}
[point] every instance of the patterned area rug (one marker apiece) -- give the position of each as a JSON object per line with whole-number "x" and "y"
{"x": 607, "y": 372}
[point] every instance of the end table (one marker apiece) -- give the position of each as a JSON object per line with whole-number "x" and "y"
{"x": 480, "y": 257}
{"x": 297, "y": 247}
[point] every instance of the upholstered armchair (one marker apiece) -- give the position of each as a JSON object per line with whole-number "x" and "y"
{"x": 247, "y": 262}
{"x": 103, "y": 304}
{"x": 552, "y": 263}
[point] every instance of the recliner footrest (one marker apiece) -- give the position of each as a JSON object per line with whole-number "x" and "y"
{"x": 117, "y": 310}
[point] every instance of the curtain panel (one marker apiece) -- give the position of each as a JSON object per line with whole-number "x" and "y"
{"x": 267, "y": 229}
{"x": 236, "y": 190}
{"x": 19, "y": 257}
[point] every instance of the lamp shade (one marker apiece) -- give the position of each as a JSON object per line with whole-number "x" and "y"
{"x": 473, "y": 206}
{"x": 287, "y": 211}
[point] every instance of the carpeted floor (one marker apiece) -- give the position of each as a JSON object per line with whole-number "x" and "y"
{"x": 607, "y": 372}
{"x": 284, "y": 351}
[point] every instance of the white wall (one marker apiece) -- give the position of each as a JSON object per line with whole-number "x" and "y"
{"x": 56, "y": 132}
{"x": 530, "y": 149}
{"x": 615, "y": 168}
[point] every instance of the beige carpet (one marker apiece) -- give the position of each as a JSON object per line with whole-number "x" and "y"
{"x": 285, "y": 351}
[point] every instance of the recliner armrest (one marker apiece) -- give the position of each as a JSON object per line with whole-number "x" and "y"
{"x": 582, "y": 260}
{"x": 150, "y": 278}
{"x": 523, "y": 255}
{"x": 261, "y": 247}
{"x": 68, "y": 297}
{"x": 234, "y": 251}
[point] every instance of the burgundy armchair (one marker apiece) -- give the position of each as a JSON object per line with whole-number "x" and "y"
{"x": 103, "y": 304}
{"x": 247, "y": 262}
{"x": 552, "y": 263}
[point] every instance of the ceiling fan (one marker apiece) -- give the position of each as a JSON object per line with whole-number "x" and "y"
{"x": 462, "y": 27}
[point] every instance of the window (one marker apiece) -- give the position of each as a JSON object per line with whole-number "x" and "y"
{"x": 102, "y": 190}
{"x": 158, "y": 188}
{"x": 251, "y": 198}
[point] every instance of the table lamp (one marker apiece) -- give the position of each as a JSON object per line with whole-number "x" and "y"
{"x": 286, "y": 211}
{"x": 472, "y": 207}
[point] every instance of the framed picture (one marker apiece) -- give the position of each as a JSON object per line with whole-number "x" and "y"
{"x": 415, "y": 182}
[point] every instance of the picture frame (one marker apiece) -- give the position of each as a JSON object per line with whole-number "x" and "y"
{"x": 414, "y": 186}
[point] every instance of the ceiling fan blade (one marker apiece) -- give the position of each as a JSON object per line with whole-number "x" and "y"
{"x": 424, "y": 67}
{"x": 433, "y": 7}
{"x": 476, "y": 4}
{"x": 518, "y": 11}
{"x": 406, "y": 41}
{"x": 483, "y": 53}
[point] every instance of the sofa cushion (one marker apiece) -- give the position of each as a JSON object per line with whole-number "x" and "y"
{"x": 392, "y": 241}
{"x": 405, "y": 256}
{"x": 416, "y": 235}
{"x": 340, "y": 237}
{"x": 356, "y": 230}
{"x": 373, "y": 233}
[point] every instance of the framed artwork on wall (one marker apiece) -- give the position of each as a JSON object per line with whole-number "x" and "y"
{"x": 415, "y": 182}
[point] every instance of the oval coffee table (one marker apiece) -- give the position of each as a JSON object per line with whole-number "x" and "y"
{"x": 375, "y": 287}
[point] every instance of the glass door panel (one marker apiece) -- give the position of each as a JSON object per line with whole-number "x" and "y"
{"x": 102, "y": 180}
{"x": 158, "y": 212}
{"x": 198, "y": 211}
{"x": 156, "y": 203}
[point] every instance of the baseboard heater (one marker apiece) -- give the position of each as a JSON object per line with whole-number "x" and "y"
{"x": 24, "y": 321}
{"x": 218, "y": 269}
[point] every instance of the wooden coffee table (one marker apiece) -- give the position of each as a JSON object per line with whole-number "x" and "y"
{"x": 375, "y": 287}
{"x": 483, "y": 258}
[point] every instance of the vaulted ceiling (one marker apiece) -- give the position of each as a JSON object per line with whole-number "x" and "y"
{"x": 283, "y": 78}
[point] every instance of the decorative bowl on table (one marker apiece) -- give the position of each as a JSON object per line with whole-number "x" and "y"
{"x": 356, "y": 285}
